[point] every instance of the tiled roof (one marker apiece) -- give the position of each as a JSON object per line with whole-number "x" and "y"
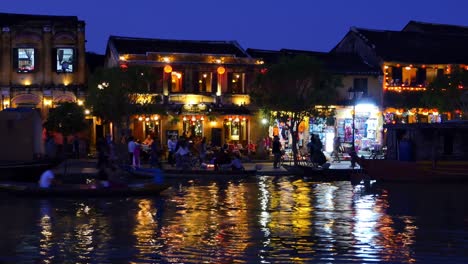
{"x": 416, "y": 47}
{"x": 424, "y": 27}
{"x": 7, "y": 19}
{"x": 268, "y": 56}
{"x": 127, "y": 45}
{"x": 343, "y": 63}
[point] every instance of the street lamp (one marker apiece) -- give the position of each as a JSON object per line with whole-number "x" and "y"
{"x": 354, "y": 95}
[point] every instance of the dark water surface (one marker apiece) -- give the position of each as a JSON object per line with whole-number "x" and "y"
{"x": 260, "y": 220}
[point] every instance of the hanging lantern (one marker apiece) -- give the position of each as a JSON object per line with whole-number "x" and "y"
{"x": 221, "y": 70}
{"x": 167, "y": 69}
{"x": 123, "y": 66}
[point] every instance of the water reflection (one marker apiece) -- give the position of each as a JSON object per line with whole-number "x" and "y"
{"x": 146, "y": 229}
{"x": 267, "y": 219}
{"x": 210, "y": 224}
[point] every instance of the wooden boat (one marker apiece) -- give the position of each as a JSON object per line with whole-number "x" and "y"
{"x": 80, "y": 190}
{"x": 422, "y": 153}
{"x": 322, "y": 174}
{"x": 25, "y": 170}
{"x": 150, "y": 173}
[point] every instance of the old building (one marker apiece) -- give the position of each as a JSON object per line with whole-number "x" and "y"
{"x": 42, "y": 60}
{"x": 355, "y": 74}
{"x": 410, "y": 60}
{"x": 203, "y": 86}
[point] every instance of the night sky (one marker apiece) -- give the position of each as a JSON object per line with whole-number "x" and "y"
{"x": 262, "y": 24}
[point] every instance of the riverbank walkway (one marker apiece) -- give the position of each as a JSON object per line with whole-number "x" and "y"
{"x": 264, "y": 167}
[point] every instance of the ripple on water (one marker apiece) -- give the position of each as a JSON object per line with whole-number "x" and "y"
{"x": 263, "y": 220}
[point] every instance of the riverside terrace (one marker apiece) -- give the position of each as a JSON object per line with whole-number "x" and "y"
{"x": 86, "y": 168}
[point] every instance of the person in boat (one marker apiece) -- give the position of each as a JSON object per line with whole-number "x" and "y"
{"x": 222, "y": 157}
{"x": 102, "y": 152}
{"x": 47, "y": 179}
{"x": 236, "y": 163}
{"x": 103, "y": 177}
{"x": 110, "y": 177}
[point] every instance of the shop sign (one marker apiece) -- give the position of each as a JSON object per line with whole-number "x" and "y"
{"x": 194, "y": 108}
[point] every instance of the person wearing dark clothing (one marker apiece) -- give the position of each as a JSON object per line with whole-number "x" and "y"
{"x": 316, "y": 154}
{"x": 276, "y": 150}
{"x": 76, "y": 147}
{"x": 336, "y": 149}
{"x": 222, "y": 157}
{"x": 102, "y": 151}
{"x": 236, "y": 163}
{"x": 154, "y": 161}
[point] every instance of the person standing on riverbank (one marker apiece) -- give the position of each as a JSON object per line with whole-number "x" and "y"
{"x": 171, "y": 146}
{"x": 276, "y": 150}
{"x": 131, "y": 148}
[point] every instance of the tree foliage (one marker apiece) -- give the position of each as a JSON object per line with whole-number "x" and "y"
{"x": 115, "y": 94}
{"x": 67, "y": 119}
{"x": 292, "y": 88}
{"x": 448, "y": 92}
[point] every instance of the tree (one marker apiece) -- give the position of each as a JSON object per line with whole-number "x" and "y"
{"x": 115, "y": 94}
{"x": 291, "y": 90}
{"x": 67, "y": 118}
{"x": 449, "y": 92}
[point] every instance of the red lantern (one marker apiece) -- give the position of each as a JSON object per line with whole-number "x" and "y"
{"x": 221, "y": 70}
{"x": 167, "y": 69}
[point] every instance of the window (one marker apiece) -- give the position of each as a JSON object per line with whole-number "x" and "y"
{"x": 360, "y": 84}
{"x": 409, "y": 76}
{"x": 204, "y": 82}
{"x": 235, "y": 82}
{"x": 421, "y": 76}
{"x": 397, "y": 75}
{"x": 176, "y": 82}
{"x": 235, "y": 129}
{"x": 193, "y": 127}
{"x": 25, "y": 60}
{"x": 65, "y": 59}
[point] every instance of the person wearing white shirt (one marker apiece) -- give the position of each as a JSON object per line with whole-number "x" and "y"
{"x": 182, "y": 155}
{"x": 46, "y": 179}
{"x": 171, "y": 146}
{"x": 131, "y": 148}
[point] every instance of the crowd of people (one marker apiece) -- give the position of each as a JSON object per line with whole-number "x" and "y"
{"x": 187, "y": 153}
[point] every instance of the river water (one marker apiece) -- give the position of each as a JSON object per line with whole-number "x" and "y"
{"x": 260, "y": 220}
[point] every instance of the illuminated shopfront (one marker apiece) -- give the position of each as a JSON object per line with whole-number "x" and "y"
{"x": 416, "y": 115}
{"x": 192, "y": 126}
{"x": 235, "y": 128}
{"x": 368, "y": 125}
